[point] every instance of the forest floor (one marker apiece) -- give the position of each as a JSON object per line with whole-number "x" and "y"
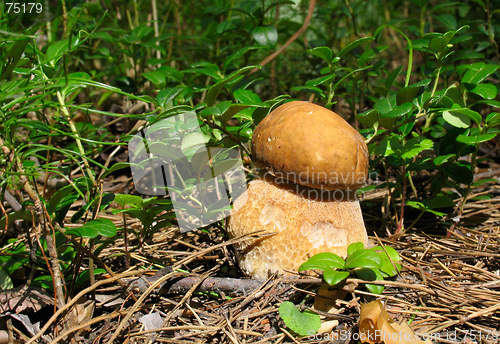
{"x": 187, "y": 288}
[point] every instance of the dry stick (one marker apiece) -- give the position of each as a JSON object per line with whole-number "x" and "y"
{"x": 167, "y": 276}
{"x": 173, "y": 328}
{"x": 78, "y": 296}
{"x": 136, "y": 305}
{"x": 254, "y": 235}
{"x": 39, "y": 208}
{"x": 289, "y": 335}
{"x": 482, "y": 312}
{"x": 312, "y": 4}
{"x": 88, "y": 323}
{"x": 184, "y": 298}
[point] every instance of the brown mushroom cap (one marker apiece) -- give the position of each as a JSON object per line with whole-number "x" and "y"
{"x": 311, "y": 146}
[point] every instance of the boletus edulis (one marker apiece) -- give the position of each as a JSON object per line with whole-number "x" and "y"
{"x": 312, "y": 161}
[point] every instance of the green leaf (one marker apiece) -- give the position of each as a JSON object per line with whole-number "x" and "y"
{"x": 62, "y": 207}
{"x": 492, "y": 103}
{"x": 321, "y": 80}
{"x": 493, "y": 119}
{"x": 368, "y": 118}
{"x": 354, "y": 45}
{"x": 57, "y": 197}
{"x": 210, "y": 111}
{"x": 399, "y": 110}
{"x": 456, "y": 119}
{"x": 390, "y": 251}
{"x": 408, "y": 94}
{"x": 246, "y": 97}
{"x": 356, "y": 246}
{"x": 216, "y": 89}
{"x": 447, "y": 20}
{"x": 157, "y": 79}
{"x": 223, "y": 106}
{"x": 78, "y": 215}
{"x": 459, "y": 173}
{"x": 172, "y": 73}
{"x": 194, "y": 140}
{"x": 439, "y": 160}
{"x": 453, "y": 92}
{"x": 392, "y": 76}
{"x": 265, "y": 35}
{"x": 475, "y": 116}
{"x": 210, "y": 72}
{"x": 334, "y": 277}
{"x": 167, "y": 95}
{"x": 477, "y": 72}
{"x": 301, "y": 323}
{"x": 57, "y": 49}
{"x": 85, "y": 232}
{"x": 225, "y": 26}
{"x": 363, "y": 259}
{"x": 441, "y": 201}
{"x": 93, "y": 228}
{"x": 119, "y": 166}
{"x": 415, "y": 146}
{"x": 324, "y": 53}
{"x": 484, "y": 181}
{"x": 130, "y": 200}
{"x": 385, "y": 105}
{"x": 36, "y": 125}
{"x": 475, "y": 139}
{"x": 388, "y": 268}
{"x": 237, "y": 55}
{"x": 371, "y": 275}
{"x": 85, "y": 276}
{"x": 311, "y": 89}
{"x": 236, "y": 108}
{"x": 11, "y": 59}
{"x": 323, "y": 261}
{"x": 421, "y": 206}
{"x": 5, "y": 281}
{"x": 440, "y": 43}
{"x": 487, "y": 91}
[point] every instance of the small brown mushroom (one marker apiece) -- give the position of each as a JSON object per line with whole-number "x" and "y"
{"x": 312, "y": 162}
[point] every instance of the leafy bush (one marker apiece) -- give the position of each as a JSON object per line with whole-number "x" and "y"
{"x": 371, "y": 264}
{"x": 421, "y": 87}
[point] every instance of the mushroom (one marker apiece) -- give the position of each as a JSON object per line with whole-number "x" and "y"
{"x": 312, "y": 161}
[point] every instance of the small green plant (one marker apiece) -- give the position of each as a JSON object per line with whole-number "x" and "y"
{"x": 297, "y": 321}
{"x": 376, "y": 263}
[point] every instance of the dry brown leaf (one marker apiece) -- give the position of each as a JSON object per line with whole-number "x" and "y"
{"x": 80, "y": 313}
{"x": 326, "y": 301}
{"x": 16, "y": 300}
{"x": 327, "y": 297}
{"x": 376, "y": 326}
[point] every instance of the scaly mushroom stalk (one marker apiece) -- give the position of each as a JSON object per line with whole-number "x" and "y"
{"x": 315, "y": 161}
